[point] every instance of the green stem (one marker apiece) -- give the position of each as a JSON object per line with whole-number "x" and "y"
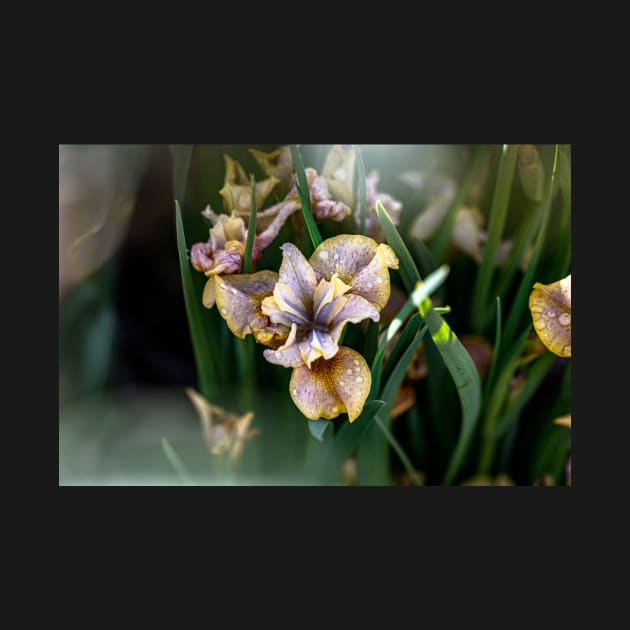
{"x": 498, "y": 214}
{"x": 399, "y": 451}
{"x": 251, "y": 230}
{"x": 495, "y": 402}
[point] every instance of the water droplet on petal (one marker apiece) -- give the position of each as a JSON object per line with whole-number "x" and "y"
{"x": 359, "y": 379}
{"x": 323, "y": 254}
{"x": 565, "y": 319}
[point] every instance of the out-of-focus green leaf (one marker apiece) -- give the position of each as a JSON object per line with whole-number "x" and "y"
{"x": 361, "y": 188}
{"x": 181, "y": 154}
{"x": 496, "y": 223}
{"x": 318, "y": 428}
{"x": 338, "y": 450}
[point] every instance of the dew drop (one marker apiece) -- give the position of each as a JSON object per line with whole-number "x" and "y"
{"x": 323, "y": 254}
{"x": 565, "y": 319}
{"x": 348, "y": 371}
{"x": 234, "y": 291}
{"x": 369, "y": 285}
{"x": 224, "y": 311}
{"x": 356, "y": 362}
{"x": 295, "y": 392}
{"x": 379, "y": 280}
{"x": 540, "y": 324}
{"x": 342, "y": 383}
{"x": 567, "y": 350}
{"x": 335, "y": 409}
{"x": 359, "y": 379}
{"x": 223, "y": 285}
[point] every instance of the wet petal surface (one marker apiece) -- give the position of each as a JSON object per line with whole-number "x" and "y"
{"x": 329, "y": 388}
{"x": 239, "y": 298}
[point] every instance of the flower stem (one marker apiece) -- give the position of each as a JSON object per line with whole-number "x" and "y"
{"x": 399, "y": 451}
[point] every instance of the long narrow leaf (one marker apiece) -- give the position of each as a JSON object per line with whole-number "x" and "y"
{"x": 496, "y": 223}
{"x": 305, "y": 197}
{"x": 339, "y": 449}
{"x": 398, "y": 449}
{"x": 251, "y": 230}
{"x": 408, "y": 271}
{"x": 180, "y": 154}
{"x": 406, "y": 337}
{"x": 361, "y": 189}
{"x": 374, "y": 459}
{"x": 393, "y": 383}
{"x": 418, "y": 295}
{"x": 203, "y": 350}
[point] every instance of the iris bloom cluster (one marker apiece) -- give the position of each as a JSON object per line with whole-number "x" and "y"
{"x": 299, "y": 313}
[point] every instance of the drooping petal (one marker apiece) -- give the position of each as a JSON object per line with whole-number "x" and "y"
{"x": 355, "y": 310}
{"x": 239, "y": 298}
{"x": 298, "y": 275}
{"x": 209, "y": 293}
{"x": 339, "y": 171}
{"x": 236, "y": 191}
{"x": 272, "y": 229}
{"x": 550, "y": 306}
{"x": 332, "y": 387}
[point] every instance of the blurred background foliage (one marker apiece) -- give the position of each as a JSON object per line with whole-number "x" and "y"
{"x": 125, "y": 354}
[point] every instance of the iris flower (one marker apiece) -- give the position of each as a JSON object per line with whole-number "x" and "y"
{"x": 300, "y": 314}
{"x": 223, "y": 431}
